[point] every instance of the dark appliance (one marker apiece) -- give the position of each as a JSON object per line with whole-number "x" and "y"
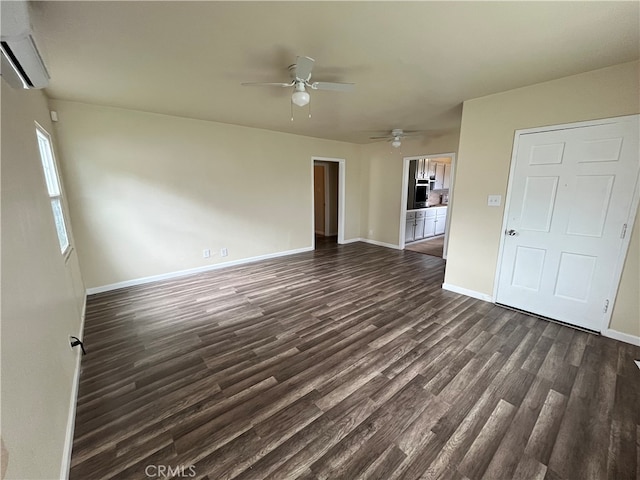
{"x": 421, "y": 194}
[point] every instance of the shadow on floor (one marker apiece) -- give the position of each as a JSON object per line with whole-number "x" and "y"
{"x": 326, "y": 242}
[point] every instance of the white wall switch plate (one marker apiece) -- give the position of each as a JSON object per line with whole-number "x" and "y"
{"x": 206, "y": 253}
{"x": 494, "y": 200}
{"x": 224, "y": 252}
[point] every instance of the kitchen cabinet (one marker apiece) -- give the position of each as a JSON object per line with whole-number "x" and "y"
{"x": 425, "y": 223}
{"x": 439, "y": 183}
{"x": 414, "y": 226}
{"x": 447, "y": 176}
{"x": 440, "y": 220}
{"x": 437, "y": 173}
{"x": 429, "y": 224}
{"x": 410, "y": 227}
{"x": 431, "y": 169}
{"x": 419, "y": 225}
{"x": 422, "y": 169}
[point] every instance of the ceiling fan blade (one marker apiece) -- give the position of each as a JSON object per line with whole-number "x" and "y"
{"x": 304, "y": 65}
{"x": 263, "y": 84}
{"x": 380, "y": 138}
{"x": 338, "y": 87}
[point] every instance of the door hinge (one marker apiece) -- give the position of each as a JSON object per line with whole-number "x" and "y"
{"x": 624, "y": 231}
{"x": 606, "y": 306}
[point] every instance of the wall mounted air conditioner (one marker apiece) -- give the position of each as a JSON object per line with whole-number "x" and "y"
{"x": 22, "y": 65}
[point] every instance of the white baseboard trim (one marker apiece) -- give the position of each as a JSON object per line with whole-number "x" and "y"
{"x": 623, "y": 337}
{"x": 191, "y": 271}
{"x": 73, "y": 403}
{"x": 380, "y": 244}
{"x": 372, "y": 242}
{"x": 351, "y": 240}
{"x": 467, "y": 292}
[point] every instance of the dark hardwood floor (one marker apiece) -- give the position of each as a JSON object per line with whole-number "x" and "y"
{"x": 323, "y": 241}
{"x": 432, "y": 246}
{"x": 343, "y": 363}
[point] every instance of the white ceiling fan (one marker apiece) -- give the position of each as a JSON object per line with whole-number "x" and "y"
{"x": 300, "y": 73}
{"x": 396, "y": 135}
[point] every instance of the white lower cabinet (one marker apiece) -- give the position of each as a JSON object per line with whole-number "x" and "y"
{"x": 419, "y": 230}
{"x": 429, "y": 226}
{"x": 441, "y": 220}
{"x": 425, "y": 223}
{"x": 410, "y": 227}
{"x": 409, "y": 231}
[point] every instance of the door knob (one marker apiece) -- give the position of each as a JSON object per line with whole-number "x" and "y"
{"x": 512, "y": 233}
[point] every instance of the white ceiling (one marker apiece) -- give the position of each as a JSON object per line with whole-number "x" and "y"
{"x": 413, "y": 62}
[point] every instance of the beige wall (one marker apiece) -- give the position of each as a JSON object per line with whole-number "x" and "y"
{"x": 382, "y": 183}
{"x": 482, "y": 168}
{"x": 149, "y": 192}
{"x": 42, "y": 299}
{"x": 626, "y": 311}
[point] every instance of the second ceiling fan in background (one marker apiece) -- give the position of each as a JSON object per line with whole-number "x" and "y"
{"x": 396, "y": 135}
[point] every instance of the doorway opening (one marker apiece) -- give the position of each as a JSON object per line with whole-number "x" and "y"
{"x": 328, "y": 201}
{"x": 426, "y": 196}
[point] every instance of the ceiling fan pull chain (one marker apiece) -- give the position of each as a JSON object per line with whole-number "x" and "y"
{"x": 291, "y": 105}
{"x": 309, "y": 109}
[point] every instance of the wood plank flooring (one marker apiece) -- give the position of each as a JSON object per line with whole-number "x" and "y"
{"x": 347, "y": 362}
{"x": 433, "y": 246}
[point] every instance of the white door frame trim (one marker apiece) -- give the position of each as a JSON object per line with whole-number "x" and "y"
{"x": 404, "y": 194}
{"x": 341, "y": 196}
{"x": 613, "y": 288}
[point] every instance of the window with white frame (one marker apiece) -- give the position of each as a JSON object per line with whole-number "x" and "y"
{"x": 53, "y": 185}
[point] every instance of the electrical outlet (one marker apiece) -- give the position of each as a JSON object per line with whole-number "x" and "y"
{"x": 494, "y": 200}
{"x": 224, "y": 252}
{"x": 206, "y": 253}
{"x": 370, "y": 232}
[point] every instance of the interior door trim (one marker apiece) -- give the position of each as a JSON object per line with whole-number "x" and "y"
{"x": 404, "y": 195}
{"x": 342, "y": 195}
{"x": 613, "y": 287}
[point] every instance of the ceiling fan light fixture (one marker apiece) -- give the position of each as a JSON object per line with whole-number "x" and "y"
{"x": 300, "y": 77}
{"x": 396, "y": 143}
{"x": 300, "y": 97}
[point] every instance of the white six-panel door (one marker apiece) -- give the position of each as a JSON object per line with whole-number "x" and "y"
{"x": 570, "y": 197}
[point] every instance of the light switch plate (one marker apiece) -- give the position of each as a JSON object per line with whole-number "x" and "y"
{"x": 494, "y": 200}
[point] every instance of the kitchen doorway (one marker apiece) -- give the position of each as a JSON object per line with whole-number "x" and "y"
{"x": 328, "y": 192}
{"x": 427, "y": 181}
